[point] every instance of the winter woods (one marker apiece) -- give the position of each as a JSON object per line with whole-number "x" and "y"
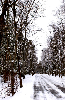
{"x": 17, "y": 53}
{"x": 53, "y": 57}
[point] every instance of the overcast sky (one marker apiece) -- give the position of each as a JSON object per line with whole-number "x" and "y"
{"x": 42, "y": 24}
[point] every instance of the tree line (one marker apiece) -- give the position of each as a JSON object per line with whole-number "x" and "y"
{"x": 17, "y": 53}
{"x": 53, "y": 57}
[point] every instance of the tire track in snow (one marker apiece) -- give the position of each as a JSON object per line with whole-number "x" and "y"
{"x": 47, "y": 87}
{"x": 38, "y": 87}
{"x": 61, "y": 88}
{"x": 53, "y": 91}
{"x": 58, "y": 86}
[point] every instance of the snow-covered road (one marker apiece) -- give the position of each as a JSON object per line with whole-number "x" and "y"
{"x": 38, "y": 87}
{"x": 48, "y": 88}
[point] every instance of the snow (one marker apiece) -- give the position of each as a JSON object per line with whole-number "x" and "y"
{"x": 39, "y": 87}
{"x": 26, "y": 92}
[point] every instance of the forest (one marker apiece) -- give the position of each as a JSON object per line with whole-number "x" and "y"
{"x": 17, "y": 52}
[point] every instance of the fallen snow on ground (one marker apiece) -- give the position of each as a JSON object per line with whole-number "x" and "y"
{"x": 49, "y": 87}
{"x": 26, "y": 92}
{"x": 40, "y": 87}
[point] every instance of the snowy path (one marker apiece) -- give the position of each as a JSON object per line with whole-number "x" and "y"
{"x": 40, "y": 87}
{"x": 47, "y": 88}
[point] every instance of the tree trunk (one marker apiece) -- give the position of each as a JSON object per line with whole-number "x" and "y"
{"x": 19, "y": 73}
{"x": 12, "y": 83}
{"x": 20, "y": 81}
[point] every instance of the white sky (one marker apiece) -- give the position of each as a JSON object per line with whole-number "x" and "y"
{"x": 41, "y": 37}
